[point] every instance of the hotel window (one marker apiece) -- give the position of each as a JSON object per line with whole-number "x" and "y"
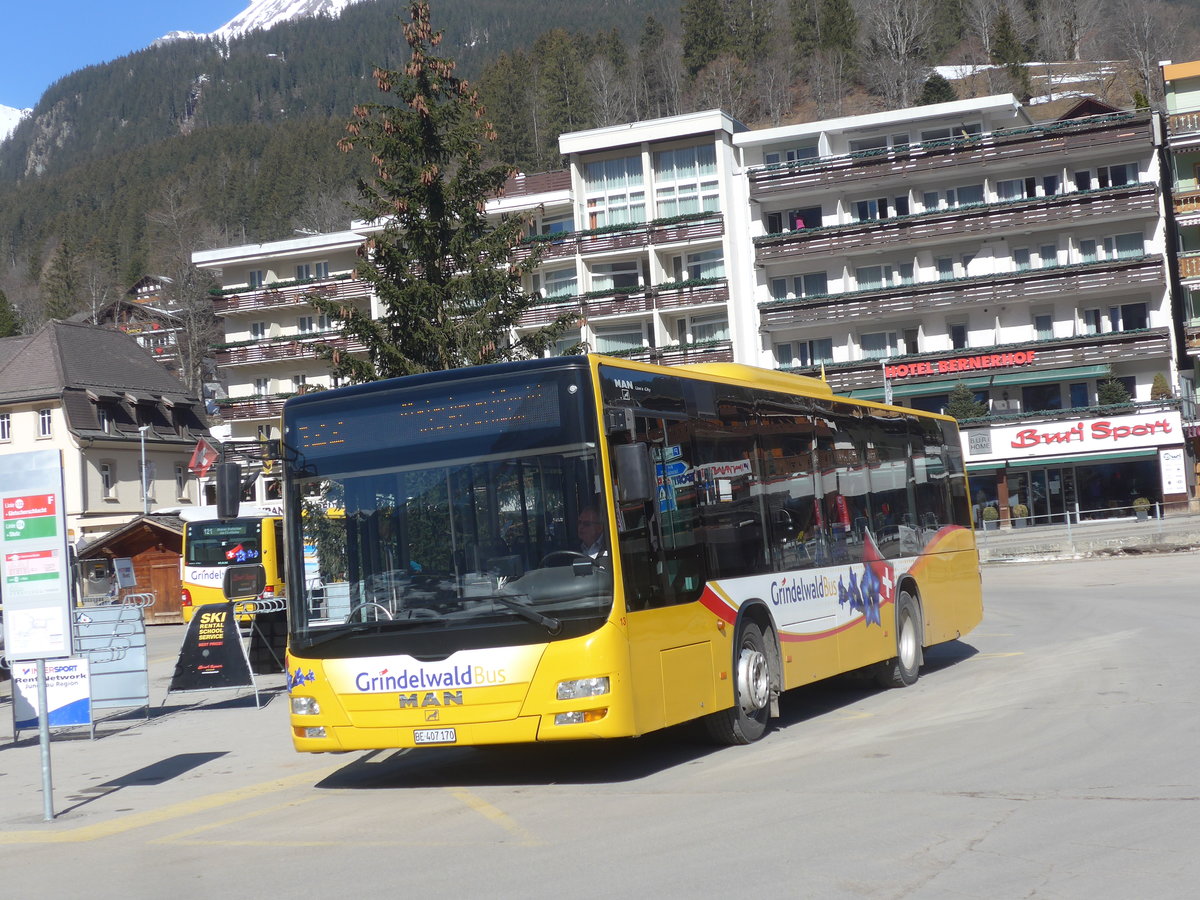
{"x": 568, "y": 343}
{"x": 181, "y": 481}
{"x": 912, "y": 340}
{"x": 804, "y": 353}
{"x": 303, "y": 271}
{"x": 794, "y": 154}
{"x": 686, "y": 181}
{"x": 1051, "y": 185}
{"x": 258, "y": 330}
{"x": 878, "y": 344}
{"x": 958, "y": 335}
{"x": 1021, "y": 259}
{"x": 108, "y": 480}
{"x": 299, "y": 382}
{"x": 1048, "y": 255}
{"x": 812, "y": 284}
{"x": 262, "y": 386}
{"x": 967, "y": 195}
{"x": 872, "y": 278}
{"x": 304, "y": 324}
{"x": 45, "y": 423}
{"x": 324, "y": 322}
{"x": 1125, "y": 246}
{"x": 1043, "y": 326}
{"x": 619, "y": 276}
{"x": 698, "y": 329}
{"x": 1087, "y": 251}
{"x": 706, "y": 264}
{"x": 617, "y": 340}
{"x": 321, "y": 270}
{"x": 794, "y": 220}
{"x": 957, "y": 131}
{"x": 255, "y": 279}
{"x": 1132, "y": 317}
{"x": 945, "y": 268}
{"x": 559, "y": 283}
{"x": 614, "y": 192}
{"x": 5, "y": 426}
{"x": 1092, "y": 323}
{"x": 1016, "y": 189}
{"x": 557, "y": 224}
{"x": 866, "y": 145}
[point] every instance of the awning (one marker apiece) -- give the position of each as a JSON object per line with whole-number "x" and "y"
{"x": 1032, "y": 376}
{"x": 1083, "y": 459}
{"x": 905, "y": 389}
{"x": 986, "y": 466}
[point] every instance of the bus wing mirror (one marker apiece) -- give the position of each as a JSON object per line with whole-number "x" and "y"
{"x": 229, "y": 490}
{"x": 244, "y": 582}
{"x": 635, "y": 472}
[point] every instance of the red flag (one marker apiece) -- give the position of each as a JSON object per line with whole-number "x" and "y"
{"x": 203, "y": 458}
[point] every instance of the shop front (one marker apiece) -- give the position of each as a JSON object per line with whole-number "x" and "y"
{"x": 1074, "y": 469}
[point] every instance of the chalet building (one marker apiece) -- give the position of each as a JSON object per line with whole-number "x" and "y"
{"x": 895, "y": 254}
{"x": 108, "y": 407}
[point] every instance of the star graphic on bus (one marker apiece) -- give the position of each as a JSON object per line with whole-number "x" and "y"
{"x": 299, "y": 678}
{"x": 878, "y": 581}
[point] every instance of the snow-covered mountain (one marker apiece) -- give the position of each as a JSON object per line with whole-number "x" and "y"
{"x": 9, "y": 118}
{"x": 268, "y": 13}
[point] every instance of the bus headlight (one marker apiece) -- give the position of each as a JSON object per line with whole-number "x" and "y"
{"x": 305, "y": 706}
{"x": 582, "y": 687}
{"x": 580, "y": 718}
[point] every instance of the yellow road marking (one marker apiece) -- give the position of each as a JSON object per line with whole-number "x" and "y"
{"x": 181, "y": 837}
{"x": 501, "y": 818}
{"x": 123, "y": 824}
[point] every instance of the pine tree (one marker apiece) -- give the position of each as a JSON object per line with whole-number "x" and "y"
{"x": 449, "y": 287}
{"x": 1160, "y": 388}
{"x": 1008, "y": 51}
{"x": 963, "y": 405}
{"x": 1112, "y": 393}
{"x": 10, "y": 322}
{"x": 705, "y": 33}
{"x": 936, "y": 90}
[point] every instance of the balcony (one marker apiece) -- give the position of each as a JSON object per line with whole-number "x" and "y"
{"x": 1055, "y": 353}
{"x": 1182, "y": 124}
{"x": 240, "y": 408}
{"x": 1023, "y": 145}
{"x": 1187, "y": 203}
{"x": 660, "y": 297}
{"x": 1082, "y": 279}
{"x": 294, "y": 295}
{"x": 704, "y": 352}
{"x": 284, "y": 350}
{"x": 983, "y": 221}
{"x": 1189, "y": 265}
{"x": 680, "y": 229}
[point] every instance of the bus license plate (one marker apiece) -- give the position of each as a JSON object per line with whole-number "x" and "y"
{"x": 434, "y": 736}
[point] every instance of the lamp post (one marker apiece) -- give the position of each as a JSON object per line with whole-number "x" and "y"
{"x": 145, "y": 491}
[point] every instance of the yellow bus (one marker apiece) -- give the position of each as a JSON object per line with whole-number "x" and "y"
{"x": 212, "y": 545}
{"x": 756, "y": 533}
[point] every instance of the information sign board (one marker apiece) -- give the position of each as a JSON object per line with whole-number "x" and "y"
{"x": 34, "y": 570}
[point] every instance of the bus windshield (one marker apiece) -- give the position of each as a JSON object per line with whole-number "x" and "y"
{"x": 228, "y": 543}
{"x": 437, "y": 534}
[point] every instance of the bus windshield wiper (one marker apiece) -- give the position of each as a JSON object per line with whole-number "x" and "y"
{"x": 551, "y": 624}
{"x": 378, "y": 625}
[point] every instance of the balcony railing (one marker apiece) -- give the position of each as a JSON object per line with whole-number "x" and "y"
{"x": 983, "y": 220}
{"x": 705, "y": 351}
{"x": 1183, "y": 123}
{"x": 238, "y": 408}
{"x": 1187, "y": 203}
{"x": 277, "y": 351}
{"x": 1054, "y": 353}
{"x": 659, "y": 297}
{"x": 1024, "y": 144}
{"x": 1081, "y": 279}
{"x": 1189, "y": 265}
{"x": 697, "y": 227}
{"x": 293, "y": 295}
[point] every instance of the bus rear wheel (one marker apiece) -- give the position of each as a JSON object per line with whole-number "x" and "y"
{"x": 904, "y": 668}
{"x": 746, "y": 721}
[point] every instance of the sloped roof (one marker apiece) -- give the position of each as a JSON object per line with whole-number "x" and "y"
{"x": 64, "y": 355}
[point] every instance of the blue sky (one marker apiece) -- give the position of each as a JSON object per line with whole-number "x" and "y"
{"x": 47, "y": 39}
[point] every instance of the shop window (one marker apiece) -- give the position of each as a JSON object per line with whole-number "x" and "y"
{"x": 1080, "y": 396}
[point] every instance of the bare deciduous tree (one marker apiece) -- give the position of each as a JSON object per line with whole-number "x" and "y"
{"x": 1070, "y": 29}
{"x": 610, "y": 92}
{"x": 896, "y": 33}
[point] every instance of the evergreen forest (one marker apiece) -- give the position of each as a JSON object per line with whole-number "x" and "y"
{"x": 237, "y": 143}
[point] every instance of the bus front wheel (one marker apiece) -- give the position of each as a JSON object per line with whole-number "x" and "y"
{"x": 746, "y": 721}
{"x": 904, "y": 668}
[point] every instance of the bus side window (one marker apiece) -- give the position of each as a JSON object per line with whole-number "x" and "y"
{"x": 279, "y": 554}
